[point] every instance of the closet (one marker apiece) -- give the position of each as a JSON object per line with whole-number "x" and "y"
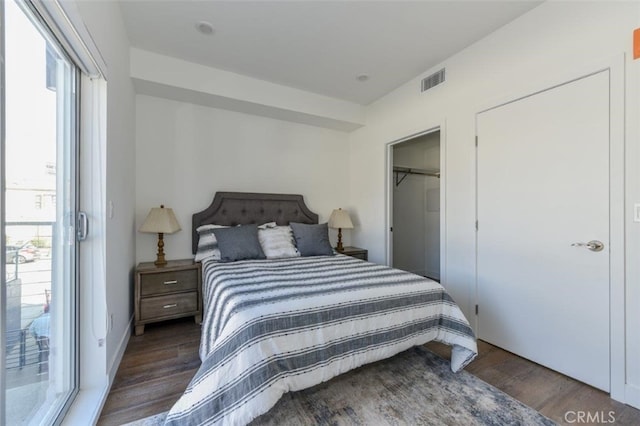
{"x": 416, "y": 205}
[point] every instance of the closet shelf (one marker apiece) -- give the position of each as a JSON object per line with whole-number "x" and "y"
{"x": 406, "y": 171}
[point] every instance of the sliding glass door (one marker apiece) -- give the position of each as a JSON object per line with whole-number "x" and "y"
{"x": 38, "y": 228}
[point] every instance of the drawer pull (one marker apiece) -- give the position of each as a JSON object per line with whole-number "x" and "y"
{"x": 173, "y": 305}
{"x": 171, "y": 282}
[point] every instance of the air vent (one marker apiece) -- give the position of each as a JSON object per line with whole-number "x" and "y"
{"x": 433, "y": 80}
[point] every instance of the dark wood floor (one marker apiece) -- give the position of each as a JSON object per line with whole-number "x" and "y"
{"x": 158, "y": 365}
{"x": 154, "y": 372}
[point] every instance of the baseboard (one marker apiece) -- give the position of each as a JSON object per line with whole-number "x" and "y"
{"x": 117, "y": 356}
{"x": 632, "y": 393}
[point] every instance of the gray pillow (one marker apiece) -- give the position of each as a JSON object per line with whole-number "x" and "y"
{"x": 238, "y": 243}
{"x": 312, "y": 240}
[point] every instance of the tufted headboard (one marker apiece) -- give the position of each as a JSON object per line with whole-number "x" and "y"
{"x": 242, "y": 208}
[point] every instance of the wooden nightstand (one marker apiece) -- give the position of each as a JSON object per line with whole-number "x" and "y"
{"x": 356, "y": 252}
{"x": 167, "y": 292}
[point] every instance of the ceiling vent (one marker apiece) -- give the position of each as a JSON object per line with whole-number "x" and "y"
{"x": 433, "y": 80}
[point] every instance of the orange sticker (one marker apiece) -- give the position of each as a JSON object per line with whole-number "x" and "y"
{"x": 636, "y": 43}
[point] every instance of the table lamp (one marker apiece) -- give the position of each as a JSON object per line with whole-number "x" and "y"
{"x": 340, "y": 219}
{"x": 160, "y": 221}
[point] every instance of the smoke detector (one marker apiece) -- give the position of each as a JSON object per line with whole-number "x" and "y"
{"x": 204, "y": 27}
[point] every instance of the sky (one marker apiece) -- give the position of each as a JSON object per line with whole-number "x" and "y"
{"x": 30, "y": 106}
{"x": 35, "y": 125}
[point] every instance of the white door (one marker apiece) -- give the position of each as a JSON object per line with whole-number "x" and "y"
{"x": 543, "y": 191}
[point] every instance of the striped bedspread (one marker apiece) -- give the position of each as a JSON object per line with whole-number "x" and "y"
{"x": 274, "y": 326}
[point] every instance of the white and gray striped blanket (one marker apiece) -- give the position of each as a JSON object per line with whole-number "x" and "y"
{"x": 274, "y": 326}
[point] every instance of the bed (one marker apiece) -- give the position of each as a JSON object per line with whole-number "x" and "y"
{"x": 272, "y": 326}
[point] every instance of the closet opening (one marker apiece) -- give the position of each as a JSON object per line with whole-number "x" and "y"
{"x": 414, "y": 209}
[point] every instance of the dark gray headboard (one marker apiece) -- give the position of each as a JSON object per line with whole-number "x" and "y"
{"x": 242, "y": 208}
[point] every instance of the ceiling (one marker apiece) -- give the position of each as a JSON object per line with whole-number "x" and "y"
{"x": 318, "y": 46}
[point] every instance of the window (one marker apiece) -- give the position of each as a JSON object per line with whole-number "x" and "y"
{"x": 39, "y": 363}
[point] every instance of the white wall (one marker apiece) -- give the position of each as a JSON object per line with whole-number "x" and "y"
{"x": 432, "y": 209}
{"x": 548, "y": 45}
{"x": 186, "y": 152}
{"x": 409, "y": 226}
{"x": 104, "y": 22}
{"x": 416, "y": 213}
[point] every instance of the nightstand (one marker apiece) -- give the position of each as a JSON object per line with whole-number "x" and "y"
{"x": 167, "y": 292}
{"x": 356, "y": 252}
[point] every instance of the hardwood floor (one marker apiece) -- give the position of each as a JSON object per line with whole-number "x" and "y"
{"x": 154, "y": 372}
{"x": 553, "y": 394}
{"x": 158, "y": 365}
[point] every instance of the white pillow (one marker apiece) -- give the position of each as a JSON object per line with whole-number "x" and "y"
{"x": 207, "y": 243}
{"x": 277, "y": 242}
{"x": 267, "y": 225}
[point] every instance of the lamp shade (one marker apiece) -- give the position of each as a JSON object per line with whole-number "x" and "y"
{"x": 160, "y": 220}
{"x": 340, "y": 219}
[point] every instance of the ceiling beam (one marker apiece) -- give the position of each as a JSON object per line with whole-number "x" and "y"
{"x": 163, "y": 76}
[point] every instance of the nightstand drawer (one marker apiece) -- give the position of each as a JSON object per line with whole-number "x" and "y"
{"x": 358, "y": 253}
{"x": 169, "y": 305}
{"x": 362, "y": 256}
{"x": 168, "y": 282}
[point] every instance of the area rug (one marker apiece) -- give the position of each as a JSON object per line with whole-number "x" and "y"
{"x": 415, "y": 387}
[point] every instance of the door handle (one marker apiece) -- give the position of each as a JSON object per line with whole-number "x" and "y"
{"x": 593, "y": 245}
{"x": 83, "y": 226}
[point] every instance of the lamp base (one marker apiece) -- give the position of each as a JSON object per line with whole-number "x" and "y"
{"x": 160, "y": 261}
{"x": 339, "y": 247}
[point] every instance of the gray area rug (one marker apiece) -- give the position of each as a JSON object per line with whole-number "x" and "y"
{"x": 415, "y": 387}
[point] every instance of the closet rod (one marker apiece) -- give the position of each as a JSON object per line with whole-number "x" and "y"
{"x": 406, "y": 171}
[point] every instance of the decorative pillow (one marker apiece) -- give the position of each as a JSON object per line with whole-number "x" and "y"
{"x": 312, "y": 240}
{"x": 277, "y": 242}
{"x": 239, "y": 243}
{"x": 207, "y": 243}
